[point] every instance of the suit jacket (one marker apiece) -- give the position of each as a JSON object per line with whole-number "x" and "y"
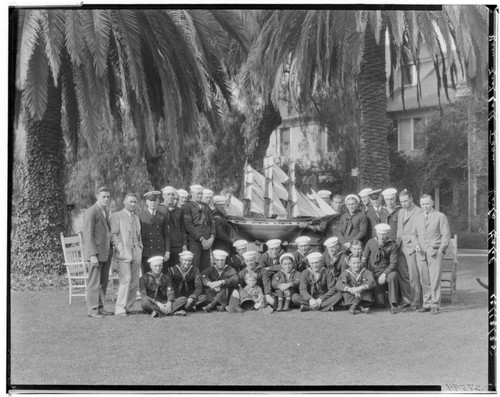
{"x": 405, "y": 236}
{"x": 374, "y": 218}
{"x": 175, "y": 220}
{"x": 154, "y": 233}
{"x": 301, "y": 262}
{"x": 222, "y": 240}
{"x": 391, "y": 218}
{"x": 96, "y": 234}
{"x": 121, "y": 238}
{"x": 434, "y": 233}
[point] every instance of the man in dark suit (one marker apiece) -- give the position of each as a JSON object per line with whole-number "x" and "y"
{"x": 432, "y": 233}
{"x": 353, "y": 223}
{"x": 126, "y": 239}
{"x": 97, "y": 250}
{"x": 375, "y": 213}
{"x": 175, "y": 220}
{"x": 200, "y": 228}
{"x": 154, "y": 231}
{"x": 406, "y": 243}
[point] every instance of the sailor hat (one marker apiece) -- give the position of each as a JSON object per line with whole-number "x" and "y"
{"x": 286, "y": 255}
{"x": 331, "y": 242}
{"x": 250, "y": 255}
{"x": 167, "y": 189}
{"x": 382, "y": 228}
{"x": 274, "y": 243}
{"x": 302, "y": 240}
{"x": 351, "y": 196}
{"x": 238, "y": 244}
{"x": 375, "y": 193}
{"x": 219, "y": 254}
{"x": 156, "y": 260}
{"x": 208, "y": 192}
{"x": 186, "y": 255}
{"x": 313, "y": 256}
{"x": 220, "y": 200}
{"x": 182, "y": 193}
{"x": 390, "y": 192}
{"x": 196, "y": 188}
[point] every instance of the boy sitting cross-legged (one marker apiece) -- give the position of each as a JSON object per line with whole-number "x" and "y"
{"x": 356, "y": 284}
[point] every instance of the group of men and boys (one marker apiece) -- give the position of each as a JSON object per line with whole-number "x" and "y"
{"x": 374, "y": 254}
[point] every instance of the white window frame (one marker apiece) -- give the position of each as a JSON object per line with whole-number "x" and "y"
{"x": 289, "y": 142}
{"x": 412, "y": 136}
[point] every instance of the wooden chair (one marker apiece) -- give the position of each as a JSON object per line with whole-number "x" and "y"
{"x": 75, "y": 265}
{"x": 449, "y": 273}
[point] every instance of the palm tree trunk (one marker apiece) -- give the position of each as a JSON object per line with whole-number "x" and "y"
{"x": 42, "y": 204}
{"x": 374, "y": 148}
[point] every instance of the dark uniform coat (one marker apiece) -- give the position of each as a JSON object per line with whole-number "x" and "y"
{"x": 175, "y": 220}
{"x": 352, "y": 227}
{"x": 155, "y": 234}
{"x": 154, "y": 288}
{"x": 198, "y": 221}
{"x": 265, "y": 260}
{"x": 300, "y": 259}
{"x": 322, "y": 288}
{"x": 348, "y": 279}
{"x": 280, "y": 278}
{"x": 237, "y": 262}
{"x": 188, "y": 284}
{"x": 222, "y": 239}
{"x": 336, "y": 264}
{"x": 374, "y": 218}
{"x": 391, "y": 218}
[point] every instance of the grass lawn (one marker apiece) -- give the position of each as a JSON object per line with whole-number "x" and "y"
{"x": 53, "y": 343}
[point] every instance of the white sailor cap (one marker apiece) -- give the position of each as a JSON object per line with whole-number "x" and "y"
{"x": 331, "y": 242}
{"x": 382, "y": 228}
{"x": 208, "y": 192}
{"x": 219, "y": 254}
{"x": 324, "y": 193}
{"x": 167, "y": 189}
{"x": 390, "y": 192}
{"x": 249, "y": 255}
{"x": 365, "y": 192}
{"x": 196, "y": 188}
{"x": 220, "y": 200}
{"x": 238, "y": 244}
{"x": 286, "y": 255}
{"x": 302, "y": 240}
{"x": 274, "y": 243}
{"x": 351, "y": 196}
{"x": 186, "y": 255}
{"x": 156, "y": 260}
{"x": 182, "y": 193}
{"x": 313, "y": 256}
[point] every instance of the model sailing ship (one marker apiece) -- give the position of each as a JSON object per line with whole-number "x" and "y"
{"x": 271, "y": 206}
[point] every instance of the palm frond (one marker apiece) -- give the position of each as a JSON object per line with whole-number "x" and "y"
{"x": 74, "y": 35}
{"x": 36, "y": 86}
{"x": 28, "y": 27}
{"x": 96, "y": 26}
{"x": 70, "y": 102}
{"x": 53, "y": 22}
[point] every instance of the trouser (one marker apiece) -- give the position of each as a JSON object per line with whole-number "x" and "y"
{"x": 149, "y": 305}
{"x": 128, "y": 275}
{"x": 201, "y": 257}
{"x": 365, "y": 300}
{"x": 97, "y": 283}
{"x": 326, "y": 305}
{"x": 174, "y": 258}
{"x": 430, "y": 268}
{"x": 214, "y": 298}
{"x": 404, "y": 280}
{"x": 414, "y": 276}
{"x": 391, "y": 285}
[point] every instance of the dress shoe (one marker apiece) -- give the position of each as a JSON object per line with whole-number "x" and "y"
{"x": 424, "y": 309}
{"x": 180, "y": 313}
{"x": 207, "y": 309}
{"x": 95, "y": 315}
{"x": 403, "y": 307}
{"x": 304, "y": 308}
{"x": 394, "y": 309}
{"x": 434, "y": 310}
{"x": 221, "y": 308}
{"x": 104, "y": 312}
{"x": 365, "y": 310}
{"x": 121, "y": 315}
{"x": 412, "y": 308}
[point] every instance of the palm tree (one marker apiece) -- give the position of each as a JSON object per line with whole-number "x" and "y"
{"x": 333, "y": 46}
{"x": 79, "y": 71}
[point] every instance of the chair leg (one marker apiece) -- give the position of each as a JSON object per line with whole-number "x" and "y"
{"x": 70, "y": 291}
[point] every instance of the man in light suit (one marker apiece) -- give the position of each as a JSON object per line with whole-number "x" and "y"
{"x": 432, "y": 232}
{"x": 97, "y": 250}
{"x": 127, "y": 242}
{"x": 406, "y": 242}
